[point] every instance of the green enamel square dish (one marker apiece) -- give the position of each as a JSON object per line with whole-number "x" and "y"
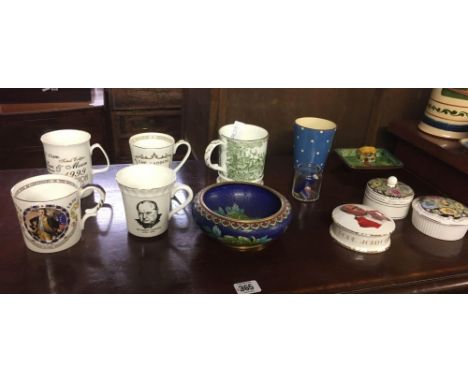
{"x": 384, "y": 160}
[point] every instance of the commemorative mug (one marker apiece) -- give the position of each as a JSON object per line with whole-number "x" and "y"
{"x": 49, "y": 211}
{"x": 156, "y": 148}
{"x": 68, "y": 152}
{"x": 147, "y": 191}
{"x": 243, "y": 149}
{"x": 313, "y": 139}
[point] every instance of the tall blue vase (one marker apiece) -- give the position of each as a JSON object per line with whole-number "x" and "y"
{"x": 313, "y": 139}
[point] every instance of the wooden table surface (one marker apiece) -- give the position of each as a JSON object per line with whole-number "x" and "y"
{"x": 184, "y": 260}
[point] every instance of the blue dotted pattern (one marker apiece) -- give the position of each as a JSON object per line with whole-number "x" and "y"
{"x": 312, "y": 146}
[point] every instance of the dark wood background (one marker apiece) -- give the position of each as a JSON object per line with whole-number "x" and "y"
{"x": 197, "y": 114}
{"x": 361, "y": 114}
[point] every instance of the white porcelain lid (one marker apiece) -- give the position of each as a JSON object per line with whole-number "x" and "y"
{"x": 440, "y": 209}
{"x": 391, "y": 188}
{"x": 363, "y": 219}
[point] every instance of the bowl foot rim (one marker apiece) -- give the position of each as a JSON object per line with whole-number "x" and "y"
{"x": 247, "y": 248}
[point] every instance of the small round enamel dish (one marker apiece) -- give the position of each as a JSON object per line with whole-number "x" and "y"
{"x": 389, "y": 196}
{"x": 244, "y": 216}
{"x": 439, "y": 217}
{"x": 361, "y": 228}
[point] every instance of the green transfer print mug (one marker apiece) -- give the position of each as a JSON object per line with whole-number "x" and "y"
{"x": 242, "y": 153}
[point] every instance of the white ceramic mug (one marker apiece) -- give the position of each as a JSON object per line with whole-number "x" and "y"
{"x": 243, "y": 150}
{"x": 49, "y": 211}
{"x": 156, "y": 148}
{"x": 68, "y": 152}
{"x": 147, "y": 190}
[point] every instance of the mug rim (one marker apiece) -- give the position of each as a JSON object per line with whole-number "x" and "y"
{"x": 306, "y": 122}
{"x": 46, "y": 136}
{"x": 170, "y": 171}
{"x": 136, "y": 136}
{"x": 16, "y": 188}
{"x": 245, "y": 140}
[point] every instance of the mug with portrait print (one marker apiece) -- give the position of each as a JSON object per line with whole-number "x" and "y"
{"x": 147, "y": 191}
{"x": 49, "y": 211}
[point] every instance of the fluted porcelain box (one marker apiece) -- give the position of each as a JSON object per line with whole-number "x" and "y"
{"x": 389, "y": 196}
{"x": 439, "y": 217}
{"x": 361, "y": 228}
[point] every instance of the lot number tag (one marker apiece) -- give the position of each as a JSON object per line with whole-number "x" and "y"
{"x": 247, "y": 287}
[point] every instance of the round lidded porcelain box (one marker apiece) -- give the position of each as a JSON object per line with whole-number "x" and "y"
{"x": 389, "y": 196}
{"x": 439, "y": 217}
{"x": 361, "y": 228}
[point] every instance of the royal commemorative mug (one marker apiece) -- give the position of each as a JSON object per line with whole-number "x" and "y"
{"x": 147, "y": 191}
{"x": 243, "y": 149}
{"x": 68, "y": 152}
{"x": 49, "y": 211}
{"x": 156, "y": 148}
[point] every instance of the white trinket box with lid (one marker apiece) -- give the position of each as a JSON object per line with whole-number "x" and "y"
{"x": 389, "y": 196}
{"x": 361, "y": 228}
{"x": 439, "y": 217}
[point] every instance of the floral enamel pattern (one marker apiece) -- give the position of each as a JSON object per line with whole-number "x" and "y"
{"x": 233, "y": 226}
{"x": 380, "y": 186}
{"x": 443, "y": 206}
{"x": 252, "y": 241}
{"x": 234, "y": 212}
{"x": 245, "y": 160}
{"x": 246, "y": 226}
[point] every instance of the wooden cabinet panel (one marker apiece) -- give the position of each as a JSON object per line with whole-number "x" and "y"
{"x": 360, "y": 114}
{"x": 20, "y": 144}
{"x": 277, "y": 109}
{"x": 28, "y": 131}
{"x": 38, "y": 95}
{"x": 133, "y": 99}
{"x": 158, "y": 122}
{"x": 134, "y": 111}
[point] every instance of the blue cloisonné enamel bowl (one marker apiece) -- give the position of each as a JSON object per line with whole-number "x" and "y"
{"x": 245, "y": 216}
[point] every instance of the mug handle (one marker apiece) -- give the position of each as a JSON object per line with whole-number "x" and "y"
{"x": 209, "y": 151}
{"x": 104, "y": 169}
{"x": 189, "y": 150}
{"x": 92, "y": 211}
{"x": 189, "y": 192}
